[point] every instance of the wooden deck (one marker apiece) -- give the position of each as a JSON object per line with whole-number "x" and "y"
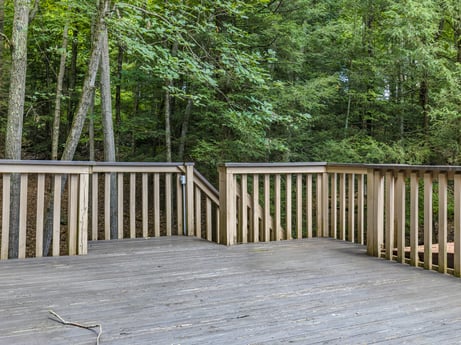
{"x": 189, "y": 291}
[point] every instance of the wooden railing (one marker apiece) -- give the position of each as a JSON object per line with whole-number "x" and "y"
{"x": 410, "y": 214}
{"x": 79, "y": 201}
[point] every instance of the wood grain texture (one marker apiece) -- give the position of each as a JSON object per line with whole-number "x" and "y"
{"x": 187, "y": 291}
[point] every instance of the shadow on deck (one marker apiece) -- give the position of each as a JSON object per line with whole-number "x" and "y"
{"x": 188, "y": 291}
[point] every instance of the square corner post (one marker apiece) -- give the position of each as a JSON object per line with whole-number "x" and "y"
{"x": 325, "y": 205}
{"x": 83, "y": 206}
{"x": 227, "y": 207}
{"x": 189, "y": 207}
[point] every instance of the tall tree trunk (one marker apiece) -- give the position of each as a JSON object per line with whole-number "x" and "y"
{"x": 13, "y": 139}
{"x": 73, "y": 137}
{"x": 2, "y": 42}
{"x": 184, "y": 129}
{"x": 168, "y": 121}
{"x": 72, "y": 79}
{"x": 108, "y": 128}
{"x": 59, "y": 83}
{"x": 118, "y": 97}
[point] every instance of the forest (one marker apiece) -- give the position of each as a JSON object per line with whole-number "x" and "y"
{"x": 212, "y": 81}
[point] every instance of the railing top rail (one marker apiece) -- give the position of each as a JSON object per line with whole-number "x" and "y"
{"x": 147, "y": 167}
{"x": 44, "y": 167}
{"x": 272, "y": 168}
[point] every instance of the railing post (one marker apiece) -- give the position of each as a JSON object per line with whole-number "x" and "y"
{"x": 457, "y": 226}
{"x": 370, "y": 231}
{"x": 378, "y": 237}
{"x": 83, "y": 205}
{"x": 190, "y": 199}
{"x": 227, "y": 207}
{"x": 325, "y": 208}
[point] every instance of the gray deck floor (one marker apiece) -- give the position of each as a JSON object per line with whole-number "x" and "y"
{"x": 188, "y": 291}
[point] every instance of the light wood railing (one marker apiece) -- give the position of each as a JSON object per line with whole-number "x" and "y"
{"x": 101, "y": 201}
{"x": 409, "y": 214}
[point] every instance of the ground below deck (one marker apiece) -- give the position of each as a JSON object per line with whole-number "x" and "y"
{"x": 187, "y": 291}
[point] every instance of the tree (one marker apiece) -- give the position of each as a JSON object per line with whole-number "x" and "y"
{"x": 13, "y": 139}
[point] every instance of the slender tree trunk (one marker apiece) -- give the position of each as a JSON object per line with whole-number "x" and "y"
{"x": 118, "y": 98}
{"x": 72, "y": 82}
{"x": 108, "y": 128}
{"x": 79, "y": 119}
{"x": 184, "y": 129}
{"x": 13, "y": 139}
{"x": 2, "y": 42}
{"x": 168, "y": 121}
{"x": 57, "y": 108}
{"x": 91, "y": 145}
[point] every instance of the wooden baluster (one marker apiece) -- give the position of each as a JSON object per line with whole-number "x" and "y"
{"x": 209, "y": 221}
{"x": 82, "y": 224}
{"x": 23, "y": 217}
{"x": 198, "y": 213}
{"x": 428, "y": 221}
{"x": 457, "y": 225}
{"x": 120, "y": 206}
{"x": 278, "y": 207}
{"x": 57, "y": 215}
{"x": 309, "y": 205}
{"x": 334, "y": 206}
{"x": 379, "y": 213}
{"x": 342, "y": 207}
{"x": 442, "y": 238}
{"x": 267, "y": 208}
{"x": 156, "y": 204}
{"x": 5, "y": 216}
{"x": 72, "y": 221}
{"x": 351, "y": 209}
{"x": 168, "y": 206}
{"x": 400, "y": 216}
{"x": 288, "y": 207}
{"x": 414, "y": 219}
{"x": 132, "y": 205}
{"x": 299, "y": 206}
{"x": 107, "y": 206}
{"x": 40, "y": 215}
{"x": 360, "y": 208}
{"x": 145, "y": 198}
{"x": 390, "y": 215}
{"x": 94, "y": 206}
{"x": 243, "y": 208}
{"x": 256, "y": 214}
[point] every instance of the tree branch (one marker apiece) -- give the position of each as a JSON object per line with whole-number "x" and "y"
{"x": 89, "y": 327}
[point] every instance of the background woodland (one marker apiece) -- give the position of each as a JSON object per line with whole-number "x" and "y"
{"x": 210, "y": 81}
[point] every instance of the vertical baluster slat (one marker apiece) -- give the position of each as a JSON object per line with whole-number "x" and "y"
{"x": 179, "y": 207}
{"x": 40, "y": 215}
{"x": 107, "y": 206}
{"x": 256, "y": 215}
{"x": 342, "y": 207}
{"x": 72, "y": 220}
{"x": 5, "y": 216}
{"x": 156, "y": 204}
{"x": 334, "y": 206}
{"x": 299, "y": 206}
{"x": 120, "y": 206}
{"x": 288, "y": 207}
{"x": 243, "y": 208}
{"x": 360, "y": 208}
{"x": 198, "y": 213}
{"x": 23, "y": 217}
{"x": 428, "y": 221}
{"x": 278, "y": 206}
{"x": 319, "y": 206}
{"x": 443, "y": 226}
{"x": 94, "y": 206}
{"x": 400, "y": 216}
{"x": 57, "y": 215}
{"x": 390, "y": 214}
{"x": 168, "y": 208}
{"x": 309, "y": 205}
{"x": 351, "y": 208}
{"x": 82, "y": 227}
{"x": 379, "y": 213}
{"x": 267, "y": 208}
{"x": 209, "y": 220}
{"x": 132, "y": 205}
{"x": 145, "y": 191}
{"x": 457, "y": 225}
{"x": 414, "y": 221}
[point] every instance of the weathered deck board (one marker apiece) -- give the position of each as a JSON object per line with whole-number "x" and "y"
{"x": 187, "y": 291}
